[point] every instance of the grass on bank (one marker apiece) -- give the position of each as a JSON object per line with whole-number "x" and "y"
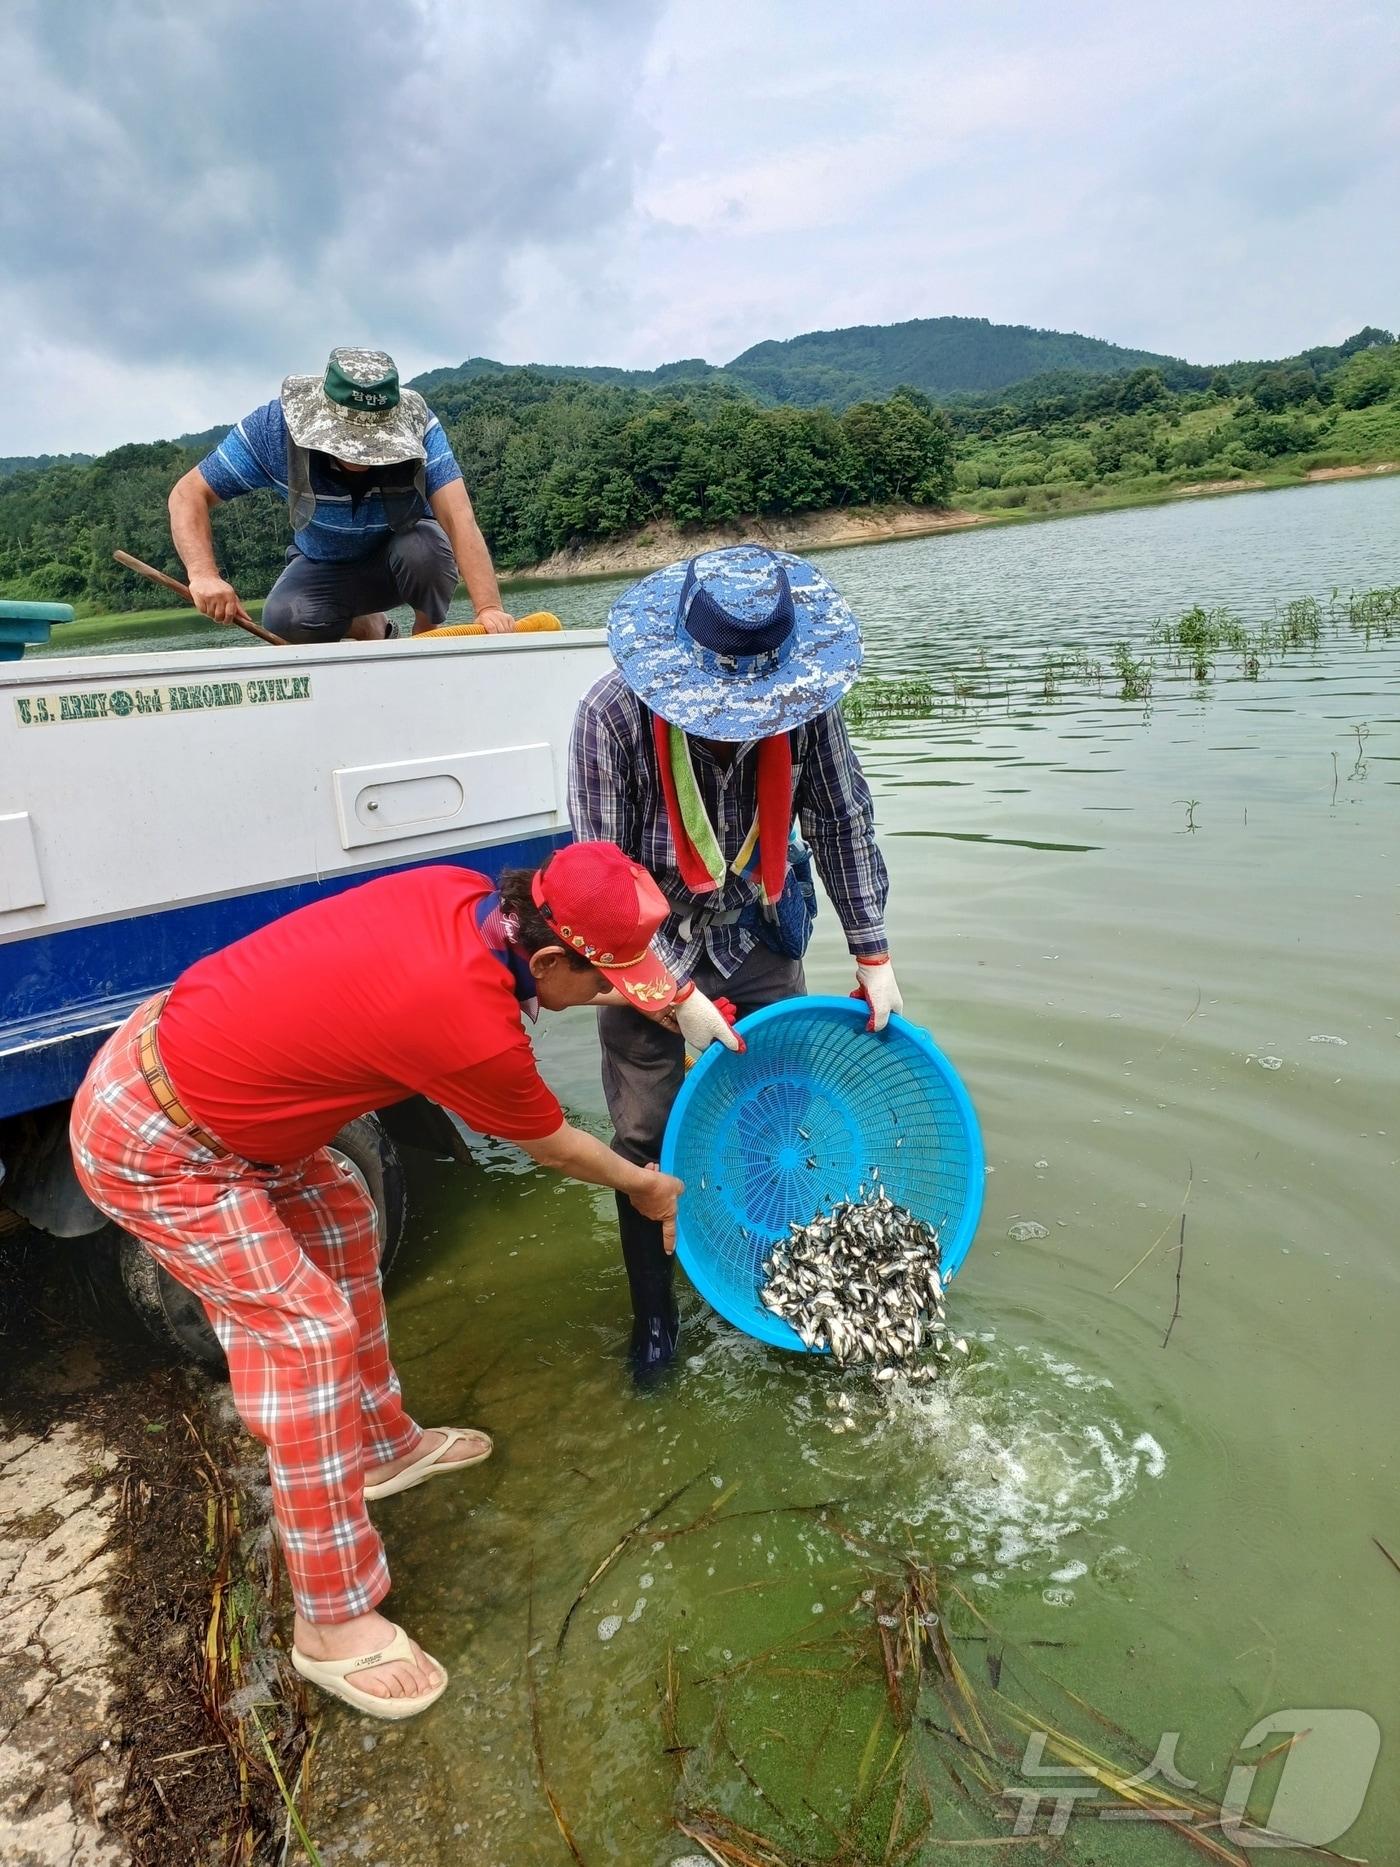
{"x": 1189, "y": 441}
{"x": 1057, "y": 499}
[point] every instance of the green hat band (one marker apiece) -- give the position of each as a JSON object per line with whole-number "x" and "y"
{"x": 367, "y": 397}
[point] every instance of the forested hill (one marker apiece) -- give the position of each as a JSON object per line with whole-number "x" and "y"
{"x": 667, "y": 376}
{"x": 35, "y": 463}
{"x": 941, "y": 356}
{"x": 553, "y": 461}
{"x": 549, "y": 463}
{"x": 833, "y": 369}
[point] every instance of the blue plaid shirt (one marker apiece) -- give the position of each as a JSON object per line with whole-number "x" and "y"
{"x": 615, "y": 796}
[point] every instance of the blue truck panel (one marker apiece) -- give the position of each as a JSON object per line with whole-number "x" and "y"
{"x": 62, "y": 993}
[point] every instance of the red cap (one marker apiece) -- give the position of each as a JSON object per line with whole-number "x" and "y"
{"x": 607, "y": 907}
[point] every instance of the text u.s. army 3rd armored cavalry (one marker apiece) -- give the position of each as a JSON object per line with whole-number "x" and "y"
{"x": 122, "y": 703}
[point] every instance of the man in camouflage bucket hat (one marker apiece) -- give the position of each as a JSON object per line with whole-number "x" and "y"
{"x": 378, "y": 510}
{"x": 720, "y": 724}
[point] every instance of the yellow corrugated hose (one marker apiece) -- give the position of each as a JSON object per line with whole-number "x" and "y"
{"x": 540, "y": 622}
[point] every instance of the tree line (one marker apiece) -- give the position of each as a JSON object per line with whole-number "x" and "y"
{"x": 553, "y": 461}
{"x": 548, "y": 464}
{"x": 862, "y": 363}
{"x": 1328, "y": 406}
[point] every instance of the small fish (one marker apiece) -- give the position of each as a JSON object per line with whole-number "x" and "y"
{"x": 862, "y": 1279}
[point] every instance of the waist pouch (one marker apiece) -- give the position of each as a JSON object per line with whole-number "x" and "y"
{"x": 785, "y": 926}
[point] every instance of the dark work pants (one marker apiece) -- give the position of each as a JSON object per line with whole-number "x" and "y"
{"x": 643, "y": 1069}
{"x": 315, "y": 600}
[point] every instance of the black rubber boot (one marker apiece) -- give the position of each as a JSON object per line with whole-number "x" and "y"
{"x": 651, "y": 1276}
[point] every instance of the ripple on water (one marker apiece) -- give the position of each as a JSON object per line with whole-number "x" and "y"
{"x": 1003, "y": 1462}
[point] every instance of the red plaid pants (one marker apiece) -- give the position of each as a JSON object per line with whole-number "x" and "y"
{"x": 285, "y": 1260}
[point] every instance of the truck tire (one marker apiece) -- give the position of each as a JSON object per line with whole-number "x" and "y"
{"x": 174, "y": 1317}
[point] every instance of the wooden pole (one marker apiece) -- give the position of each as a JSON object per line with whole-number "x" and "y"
{"x": 183, "y": 589}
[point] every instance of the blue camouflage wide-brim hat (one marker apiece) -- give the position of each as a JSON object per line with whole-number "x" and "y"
{"x": 738, "y": 643}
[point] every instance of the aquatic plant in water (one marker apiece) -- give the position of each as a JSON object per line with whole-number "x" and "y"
{"x": 1084, "y": 665}
{"x": 1135, "y": 675}
{"x": 1056, "y": 670}
{"x": 1375, "y": 612}
{"x": 1198, "y": 634}
{"x": 1363, "y": 733}
{"x": 1194, "y": 639}
{"x": 940, "y": 1705}
{"x": 1301, "y": 626}
{"x": 876, "y": 698}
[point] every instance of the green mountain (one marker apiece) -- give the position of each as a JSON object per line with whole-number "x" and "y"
{"x": 557, "y": 458}
{"x": 690, "y": 369}
{"x": 206, "y": 440}
{"x": 833, "y": 369}
{"x": 941, "y": 356}
{"x": 10, "y": 464}
{"x": 36, "y": 463}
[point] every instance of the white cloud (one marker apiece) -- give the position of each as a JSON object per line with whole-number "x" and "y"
{"x": 235, "y": 190}
{"x": 210, "y": 199}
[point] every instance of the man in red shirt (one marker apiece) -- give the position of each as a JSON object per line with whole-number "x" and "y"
{"x": 202, "y": 1128}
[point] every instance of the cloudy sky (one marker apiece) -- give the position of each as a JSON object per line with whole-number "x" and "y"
{"x": 199, "y": 199}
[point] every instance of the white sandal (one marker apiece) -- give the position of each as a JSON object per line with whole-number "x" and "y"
{"x": 430, "y": 1465}
{"x": 334, "y": 1676}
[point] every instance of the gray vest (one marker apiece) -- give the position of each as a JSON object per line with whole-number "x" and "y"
{"x": 405, "y": 501}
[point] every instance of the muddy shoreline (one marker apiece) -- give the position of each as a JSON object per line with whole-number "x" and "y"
{"x": 138, "y": 1644}
{"x": 663, "y": 542}
{"x": 652, "y": 546}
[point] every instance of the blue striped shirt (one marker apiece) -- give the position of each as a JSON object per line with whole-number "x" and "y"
{"x": 615, "y": 796}
{"x": 253, "y": 456}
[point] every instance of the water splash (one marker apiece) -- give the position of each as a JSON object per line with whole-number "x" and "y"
{"x": 1009, "y": 1467}
{"x": 1000, "y": 1464}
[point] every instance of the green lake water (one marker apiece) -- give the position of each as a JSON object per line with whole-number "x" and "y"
{"x": 1154, "y": 1021}
{"x": 1159, "y": 940}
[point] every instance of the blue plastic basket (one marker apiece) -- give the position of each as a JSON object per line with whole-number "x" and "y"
{"x": 799, "y": 1123}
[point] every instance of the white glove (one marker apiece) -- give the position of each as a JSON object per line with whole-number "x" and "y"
{"x": 701, "y": 1022}
{"x": 877, "y": 985}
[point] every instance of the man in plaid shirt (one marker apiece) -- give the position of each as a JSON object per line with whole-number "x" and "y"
{"x": 720, "y": 724}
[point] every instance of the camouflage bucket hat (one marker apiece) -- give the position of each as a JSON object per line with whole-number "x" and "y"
{"x": 357, "y": 411}
{"x": 739, "y": 643}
